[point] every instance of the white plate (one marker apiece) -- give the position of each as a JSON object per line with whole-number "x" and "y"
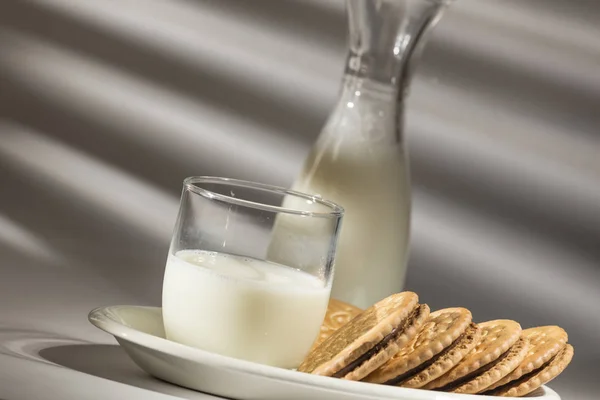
{"x": 140, "y": 331}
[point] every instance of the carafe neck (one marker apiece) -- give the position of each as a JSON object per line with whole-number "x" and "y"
{"x": 386, "y": 38}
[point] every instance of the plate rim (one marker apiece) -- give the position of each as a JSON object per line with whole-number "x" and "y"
{"x": 101, "y": 318}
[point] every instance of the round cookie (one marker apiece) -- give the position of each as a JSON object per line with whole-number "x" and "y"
{"x": 369, "y": 340}
{"x": 533, "y": 380}
{"x": 442, "y": 328}
{"x": 497, "y": 337}
{"x": 495, "y": 370}
{"x": 338, "y": 314}
{"x": 545, "y": 342}
{"x": 447, "y": 359}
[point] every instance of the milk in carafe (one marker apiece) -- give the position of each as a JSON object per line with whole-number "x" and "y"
{"x": 359, "y": 163}
{"x": 359, "y": 160}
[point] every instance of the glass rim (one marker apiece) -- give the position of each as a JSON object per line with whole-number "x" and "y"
{"x": 191, "y": 183}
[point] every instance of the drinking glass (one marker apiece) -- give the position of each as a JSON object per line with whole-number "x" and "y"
{"x": 225, "y": 288}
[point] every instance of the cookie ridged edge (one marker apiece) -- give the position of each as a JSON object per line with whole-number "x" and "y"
{"x": 392, "y": 348}
{"x": 515, "y": 356}
{"x": 547, "y": 353}
{"x": 554, "y": 368}
{"x": 364, "y": 343}
{"x": 460, "y": 371}
{"x": 411, "y": 361}
{"x": 446, "y": 362}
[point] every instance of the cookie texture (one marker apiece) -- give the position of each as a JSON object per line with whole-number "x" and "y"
{"x": 528, "y": 383}
{"x": 398, "y": 342}
{"x": 495, "y": 370}
{"x": 384, "y": 327}
{"x": 497, "y": 337}
{"x": 338, "y": 314}
{"x": 447, "y": 359}
{"x": 405, "y": 333}
{"x": 442, "y": 328}
{"x": 545, "y": 342}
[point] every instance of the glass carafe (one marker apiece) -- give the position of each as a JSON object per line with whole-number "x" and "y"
{"x": 360, "y": 159}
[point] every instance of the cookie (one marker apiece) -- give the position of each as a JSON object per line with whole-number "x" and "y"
{"x": 497, "y": 337}
{"x": 494, "y": 371}
{"x": 442, "y": 329}
{"x": 545, "y": 342}
{"x": 368, "y": 340}
{"x": 447, "y": 359}
{"x": 338, "y": 314}
{"x": 530, "y": 382}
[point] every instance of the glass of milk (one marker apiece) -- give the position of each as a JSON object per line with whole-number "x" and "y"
{"x": 221, "y": 290}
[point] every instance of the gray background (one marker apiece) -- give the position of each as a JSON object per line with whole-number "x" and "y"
{"x": 105, "y": 106}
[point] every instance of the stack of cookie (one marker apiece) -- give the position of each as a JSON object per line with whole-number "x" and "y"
{"x": 397, "y": 341}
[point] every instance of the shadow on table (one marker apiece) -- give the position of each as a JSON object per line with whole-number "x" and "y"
{"x": 111, "y": 362}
